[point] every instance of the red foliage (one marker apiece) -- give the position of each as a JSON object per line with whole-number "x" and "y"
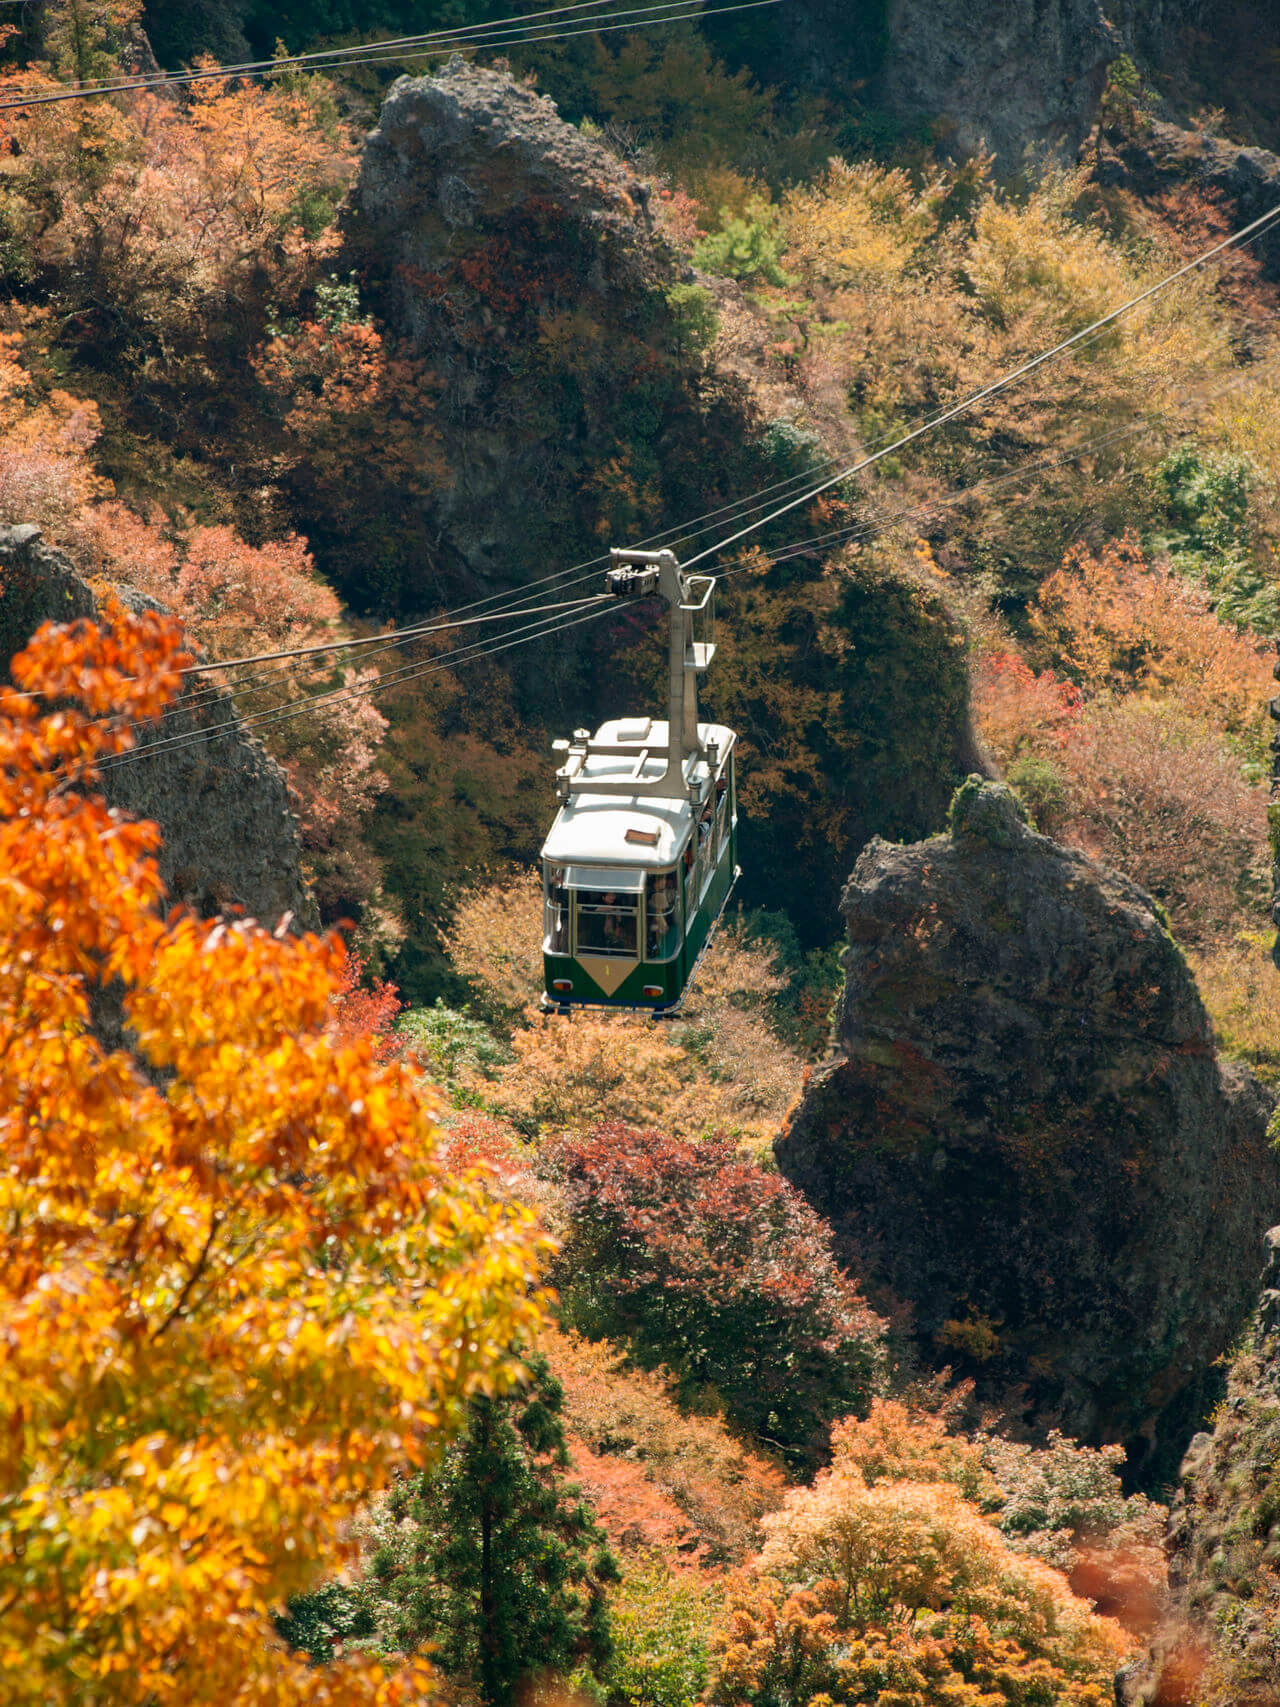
{"x": 705, "y": 1261}
{"x": 360, "y": 1010}
{"x": 1012, "y": 702}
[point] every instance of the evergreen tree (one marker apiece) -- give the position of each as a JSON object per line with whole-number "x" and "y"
{"x": 495, "y": 1559}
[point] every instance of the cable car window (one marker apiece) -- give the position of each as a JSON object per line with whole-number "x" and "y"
{"x": 608, "y": 922}
{"x": 555, "y": 911}
{"x": 662, "y": 916}
{"x": 722, "y": 810}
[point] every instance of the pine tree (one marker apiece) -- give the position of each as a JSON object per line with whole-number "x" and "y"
{"x": 497, "y": 1562}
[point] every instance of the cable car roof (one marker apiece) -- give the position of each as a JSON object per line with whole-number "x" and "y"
{"x": 593, "y": 828}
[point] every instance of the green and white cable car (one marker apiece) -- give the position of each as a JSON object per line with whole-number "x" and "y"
{"x": 643, "y": 852}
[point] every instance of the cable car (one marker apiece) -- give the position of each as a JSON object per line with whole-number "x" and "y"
{"x": 640, "y": 861}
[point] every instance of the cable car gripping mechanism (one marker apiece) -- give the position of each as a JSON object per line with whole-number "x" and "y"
{"x": 655, "y": 574}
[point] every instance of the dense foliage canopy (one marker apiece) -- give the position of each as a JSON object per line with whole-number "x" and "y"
{"x": 236, "y": 1290}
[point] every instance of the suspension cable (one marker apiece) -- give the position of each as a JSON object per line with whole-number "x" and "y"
{"x": 501, "y": 33}
{"x": 1255, "y": 228}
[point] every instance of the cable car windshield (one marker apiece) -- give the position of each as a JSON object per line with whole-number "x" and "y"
{"x": 608, "y": 922}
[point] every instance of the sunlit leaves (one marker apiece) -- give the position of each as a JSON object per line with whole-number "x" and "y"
{"x": 236, "y": 1287}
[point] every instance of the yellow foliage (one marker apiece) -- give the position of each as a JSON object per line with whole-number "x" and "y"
{"x": 236, "y": 1287}
{"x": 901, "y": 1591}
{"x": 1240, "y": 986}
{"x": 857, "y": 225}
{"x": 495, "y": 941}
{"x": 722, "y": 1067}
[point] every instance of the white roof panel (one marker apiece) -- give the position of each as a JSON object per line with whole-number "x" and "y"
{"x": 592, "y": 828}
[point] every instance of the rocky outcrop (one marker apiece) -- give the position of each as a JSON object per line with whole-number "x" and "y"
{"x": 230, "y": 840}
{"x": 1026, "y": 1137}
{"x": 1222, "y": 1635}
{"x": 1157, "y": 157}
{"x": 520, "y": 259}
{"x": 1008, "y": 76}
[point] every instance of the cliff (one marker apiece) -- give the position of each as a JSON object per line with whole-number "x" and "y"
{"x": 1222, "y": 1637}
{"x": 230, "y": 840}
{"x": 1026, "y": 1137}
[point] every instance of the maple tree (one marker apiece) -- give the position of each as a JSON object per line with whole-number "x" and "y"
{"x": 365, "y": 1009}
{"x": 657, "y": 1475}
{"x": 701, "y": 1259}
{"x": 902, "y": 1591}
{"x": 237, "y": 1289}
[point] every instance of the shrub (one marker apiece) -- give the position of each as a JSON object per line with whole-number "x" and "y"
{"x": 449, "y": 1044}
{"x": 901, "y": 1592}
{"x": 747, "y": 246}
{"x": 660, "y": 1619}
{"x": 693, "y": 1481}
{"x": 1114, "y": 623}
{"x": 698, "y": 1258}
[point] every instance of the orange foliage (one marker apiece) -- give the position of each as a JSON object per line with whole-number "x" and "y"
{"x": 1016, "y": 708}
{"x": 1114, "y": 623}
{"x": 1136, "y": 757}
{"x": 177, "y": 214}
{"x": 365, "y": 1011}
{"x": 340, "y": 388}
{"x": 896, "y": 1444}
{"x": 651, "y": 1469}
{"x": 236, "y": 1290}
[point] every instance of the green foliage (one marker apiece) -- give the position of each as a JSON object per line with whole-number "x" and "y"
{"x": 660, "y": 1622}
{"x": 449, "y": 1042}
{"x": 331, "y": 1617}
{"x": 1206, "y": 503}
{"x": 693, "y": 316}
{"x": 493, "y": 1558}
{"x": 1041, "y": 786}
{"x": 1126, "y": 101}
{"x": 747, "y": 247}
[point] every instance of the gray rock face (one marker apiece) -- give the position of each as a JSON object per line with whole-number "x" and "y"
{"x": 230, "y": 840}
{"x": 1008, "y": 75}
{"x": 453, "y": 154}
{"x": 1164, "y": 155}
{"x": 1026, "y": 1136}
{"x": 1223, "y": 1623}
{"x": 485, "y": 226}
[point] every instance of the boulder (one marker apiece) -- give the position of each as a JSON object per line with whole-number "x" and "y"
{"x": 1026, "y": 1136}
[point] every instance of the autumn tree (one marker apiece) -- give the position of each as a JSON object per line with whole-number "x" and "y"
{"x": 699, "y": 1258}
{"x": 237, "y": 1290}
{"x": 492, "y": 1556}
{"x": 871, "y": 1592}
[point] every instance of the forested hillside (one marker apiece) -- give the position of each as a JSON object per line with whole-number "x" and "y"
{"x": 882, "y": 1327}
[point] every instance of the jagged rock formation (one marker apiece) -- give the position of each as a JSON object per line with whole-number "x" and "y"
{"x": 521, "y": 260}
{"x": 1159, "y": 156}
{"x": 1026, "y": 1136}
{"x": 1007, "y": 76}
{"x": 1002, "y": 77}
{"x": 1222, "y": 1634}
{"x": 230, "y": 840}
